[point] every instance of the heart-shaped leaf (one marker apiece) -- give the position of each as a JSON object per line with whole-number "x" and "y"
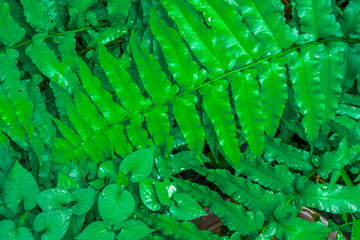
{"x": 134, "y": 230}
{"x": 96, "y": 231}
{"x": 148, "y": 195}
{"x": 84, "y": 198}
{"x": 187, "y": 208}
{"x": 53, "y": 198}
{"x": 8, "y": 231}
{"x": 115, "y": 205}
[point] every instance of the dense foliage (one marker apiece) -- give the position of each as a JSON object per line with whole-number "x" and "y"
{"x": 128, "y": 119}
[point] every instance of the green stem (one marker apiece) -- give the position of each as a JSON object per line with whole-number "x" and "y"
{"x": 55, "y": 35}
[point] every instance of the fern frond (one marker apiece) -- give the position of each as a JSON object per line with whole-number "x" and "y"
{"x": 316, "y": 20}
{"x": 66, "y": 46}
{"x": 248, "y": 107}
{"x": 154, "y": 80}
{"x": 275, "y": 177}
{"x": 172, "y": 227}
{"x": 305, "y": 75}
{"x": 203, "y": 43}
{"x": 226, "y": 23}
{"x": 45, "y": 59}
{"x": 350, "y": 21}
{"x": 184, "y": 160}
{"x": 78, "y": 10}
{"x": 252, "y": 195}
{"x": 331, "y": 77}
{"x": 136, "y": 134}
{"x": 112, "y": 111}
{"x": 36, "y": 14}
{"x": 289, "y": 226}
{"x": 126, "y": 90}
{"x": 234, "y": 216}
{"x": 10, "y": 31}
{"x": 216, "y": 105}
{"x": 40, "y": 117}
{"x": 184, "y": 70}
{"x": 189, "y": 122}
{"x": 159, "y": 127}
{"x": 329, "y": 197}
{"x": 276, "y": 150}
{"x": 117, "y": 138}
{"x": 273, "y": 92}
{"x": 58, "y": 13}
{"x": 265, "y": 21}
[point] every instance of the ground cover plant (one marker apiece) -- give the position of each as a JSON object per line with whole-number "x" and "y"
{"x": 148, "y": 119}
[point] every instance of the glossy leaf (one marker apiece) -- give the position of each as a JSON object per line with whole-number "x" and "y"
{"x": 10, "y": 31}
{"x": 134, "y": 230}
{"x": 148, "y": 195}
{"x": 186, "y": 208}
{"x": 96, "y": 231}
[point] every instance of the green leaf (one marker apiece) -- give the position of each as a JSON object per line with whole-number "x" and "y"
{"x": 349, "y": 21}
{"x": 134, "y": 230}
{"x": 248, "y": 107}
{"x": 217, "y": 106}
{"x": 273, "y": 91}
{"x": 117, "y": 138}
{"x": 234, "y": 216}
{"x": 55, "y": 221}
{"x": 53, "y": 198}
{"x": 126, "y": 90}
{"x": 78, "y": 10}
{"x": 187, "y": 208}
{"x": 227, "y": 23}
{"x": 20, "y": 185}
{"x": 66, "y": 183}
{"x": 67, "y": 49}
{"x": 153, "y": 79}
{"x": 189, "y": 122}
{"x": 206, "y": 46}
{"x": 316, "y": 20}
{"x": 118, "y": 11}
{"x": 9, "y": 232}
{"x": 45, "y": 59}
{"x": 10, "y": 32}
{"x": 96, "y": 231}
{"x": 355, "y": 229}
{"x": 115, "y": 205}
{"x": 84, "y": 199}
{"x": 185, "y": 71}
{"x": 165, "y": 191}
{"x": 112, "y": 111}
{"x": 292, "y": 227}
{"x": 265, "y": 19}
{"x": 304, "y": 70}
{"x": 58, "y": 13}
{"x": 329, "y": 197}
{"x": 36, "y": 14}
{"x": 184, "y": 160}
{"x": 148, "y": 195}
{"x": 159, "y": 127}
{"x": 139, "y": 163}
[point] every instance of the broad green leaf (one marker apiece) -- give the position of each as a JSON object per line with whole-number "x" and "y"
{"x": 10, "y": 32}
{"x": 158, "y": 125}
{"x": 148, "y": 195}
{"x": 217, "y": 106}
{"x": 66, "y": 46}
{"x": 329, "y": 197}
{"x": 96, "y": 231}
{"x": 55, "y": 222}
{"x": 316, "y": 20}
{"x": 265, "y": 19}
{"x": 355, "y": 229}
{"x": 154, "y": 80}
{"x": 304, "y": 70}
{"x": 189, "y": 122}
{"x": 112, "y": 111}
{"x": 184, "y": 160}
{"x": 139, "y": 163}
{"x": 66, "y": 183}
{"x": 185, "y": 71}
{"x": 9, "y": 232}
{"x": 53, "y": 198}
{"x": 137, "y": 135}
{"x": 107, "y": 169}
{"x": 115, "y": 205}
{"x": 36, "y": 14}
{"x": 206, "y": 46}
{"x": 78, "y": 10}
{"x": 134, "y": 230}
{"x": 126, "y": 90}
{"x": 350, "y": 21}
{"x": 165, "y": 191}
{"x": 118, "y": 11}
{"x": 84, "y": 199}
{"x": 117, "y": 138}
{"x": 186, "y": 208}
{"x": 245, "y": 89}
{"x": 20, "y": 185}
